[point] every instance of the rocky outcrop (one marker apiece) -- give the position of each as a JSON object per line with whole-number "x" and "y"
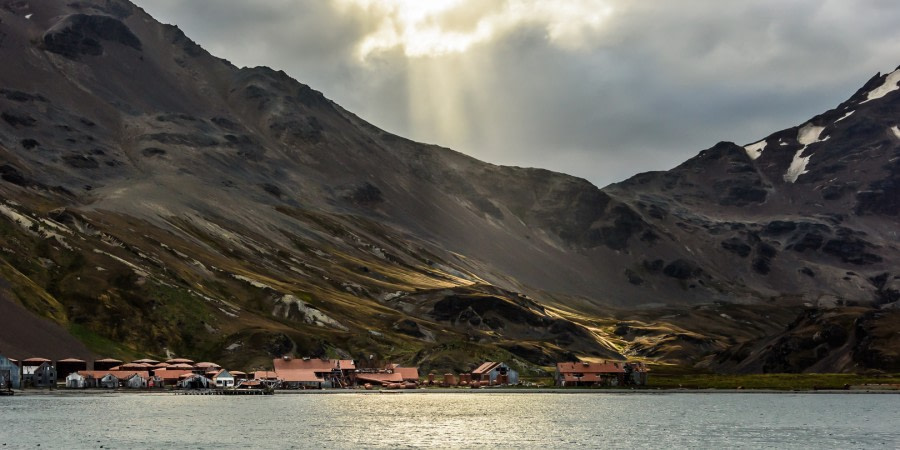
{"x": 81, "y": 34}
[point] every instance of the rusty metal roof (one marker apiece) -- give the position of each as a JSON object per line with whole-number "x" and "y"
{"x": 120, "y": 374}
{"x": 265, "y": 375}
{"x": 180, "y": 361}
{"x": 172, "y": 374}
{"x": 485, "y": 368}
{"x": 36, "y": 361}
{"x": 316, "y": 364}
{"x": 145, "y": 361}
{"x": 380, "y": 377}
{"x": 586, "y": 367}
{"x": 299, "y": 376}
{"x": 108, "y": 360}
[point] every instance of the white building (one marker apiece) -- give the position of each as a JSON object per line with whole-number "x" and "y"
{"x": 75, "y": 381}
{"x": 224, "y": 379}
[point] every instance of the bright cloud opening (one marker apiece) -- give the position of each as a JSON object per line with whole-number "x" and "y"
{"x": 437, "y": 27}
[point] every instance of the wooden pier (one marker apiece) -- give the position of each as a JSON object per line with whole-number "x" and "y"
{"x": 226, "y": 392}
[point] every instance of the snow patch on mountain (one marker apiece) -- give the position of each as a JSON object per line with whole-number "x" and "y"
{"x": 896, "y": 130}
{"x": 755, "y": 150}
{"x": 890, "y": 85}
{"x": 809, "y": 134}
{"x": 845, "y": 116}
{"x": 797, "y": 167}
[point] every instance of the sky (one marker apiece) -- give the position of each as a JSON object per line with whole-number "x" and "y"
{"x": 600, "y": 89}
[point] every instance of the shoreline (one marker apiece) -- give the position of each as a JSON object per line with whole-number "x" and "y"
{"x": 464, "y": 391}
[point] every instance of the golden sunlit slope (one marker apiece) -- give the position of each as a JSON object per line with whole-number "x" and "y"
{"x": 159, "y": 200}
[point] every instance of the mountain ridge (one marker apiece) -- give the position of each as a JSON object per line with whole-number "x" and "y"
{"x": 231, "y": 206}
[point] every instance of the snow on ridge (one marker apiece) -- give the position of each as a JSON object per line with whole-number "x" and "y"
{"x": 889, "y": 85}
{"x": 845, "y": 116}
{"x": 809, "y": 134}
{"x": 755, "y": 150}
{"x": 797, "y": 167}
{"x": 896, "y": 131}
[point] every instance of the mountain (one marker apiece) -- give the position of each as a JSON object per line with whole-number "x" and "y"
{"x": 158, "y": 200}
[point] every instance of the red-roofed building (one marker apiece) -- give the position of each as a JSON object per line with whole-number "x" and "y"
{"x": 410, "y": 374}
{"x": 171, "y": 377}
{"x": 296, "y": 373}
{"x": 606, "y": 373}
{"x": 495, "y": 373}
{"x": 107, "y": 378}
{"x": 106, "y": 363}
{"x": 65, "y": 367}
{"x": 264, "y": 375}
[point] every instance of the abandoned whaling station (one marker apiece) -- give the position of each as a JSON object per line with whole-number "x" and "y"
{"x": 287, "y": 373}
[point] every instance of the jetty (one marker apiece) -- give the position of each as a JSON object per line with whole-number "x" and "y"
{"x": 226, "y": 392}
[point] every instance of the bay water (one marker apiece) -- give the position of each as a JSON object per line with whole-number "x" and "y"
{"x": 452, "y": 420}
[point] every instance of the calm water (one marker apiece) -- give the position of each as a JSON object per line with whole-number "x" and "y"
{"x": 453, "y": 420}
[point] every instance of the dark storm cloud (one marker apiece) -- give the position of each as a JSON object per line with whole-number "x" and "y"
{"x": 655, "y": 83}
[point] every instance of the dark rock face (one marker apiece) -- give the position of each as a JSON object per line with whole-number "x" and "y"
{"x": 12, "y": 175}
{"x": 365, "y": 194}
{"x": 468, "y": 308}
{"x": 18, "y": 120}
{"x": 81, "y": 161}
{"x": 737, "y": 246}
{"x": 779, "y": 227}
{"x": 681, "y": 269}
{"x": 150, "y": 152}
{"x": 883, "y": 196}
{"x": 626, "y": 224}
{"x": 743, "y": 194}
{"x": 21, "y": 97}
{"x": 809, "y": 241}
{"x": 272, "y": 189}
{"x": 851, "y": 250}
{"x": 189, "y": 140}
{"x": 81, "y": 34}
{"x": 633, "y": 277}
{"x": 409, "y": 327}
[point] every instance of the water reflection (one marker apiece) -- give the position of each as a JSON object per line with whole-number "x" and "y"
{"x": 452, "y": 420}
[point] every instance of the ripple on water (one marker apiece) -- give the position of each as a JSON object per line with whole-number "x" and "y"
{"x": 452, "y": 420}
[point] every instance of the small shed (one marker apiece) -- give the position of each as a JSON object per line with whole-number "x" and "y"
{"x": 606, "y": 373}
{"x": 171, "y": 377}
{"x": 76, "y": 380}
{"x": 156, "y": 382}
{"x": 224, "y": 379}
{"x": 109, "y": 381}
{"x": 495, "y": 373}
{"x": 44, "y": 376}
{"x": 135, "y": 381}
{"x": 636, "y": 373}
{"x": 195, "y": 381}
{"x": 10, "y": 374}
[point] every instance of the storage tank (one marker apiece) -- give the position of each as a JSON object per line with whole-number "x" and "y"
{"x": 449, "y": 379}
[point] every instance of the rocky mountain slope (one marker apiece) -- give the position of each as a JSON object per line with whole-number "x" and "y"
{"x": 157, "y": 200}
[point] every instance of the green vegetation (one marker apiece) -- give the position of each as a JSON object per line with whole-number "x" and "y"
{"x": 101, "y": 345}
